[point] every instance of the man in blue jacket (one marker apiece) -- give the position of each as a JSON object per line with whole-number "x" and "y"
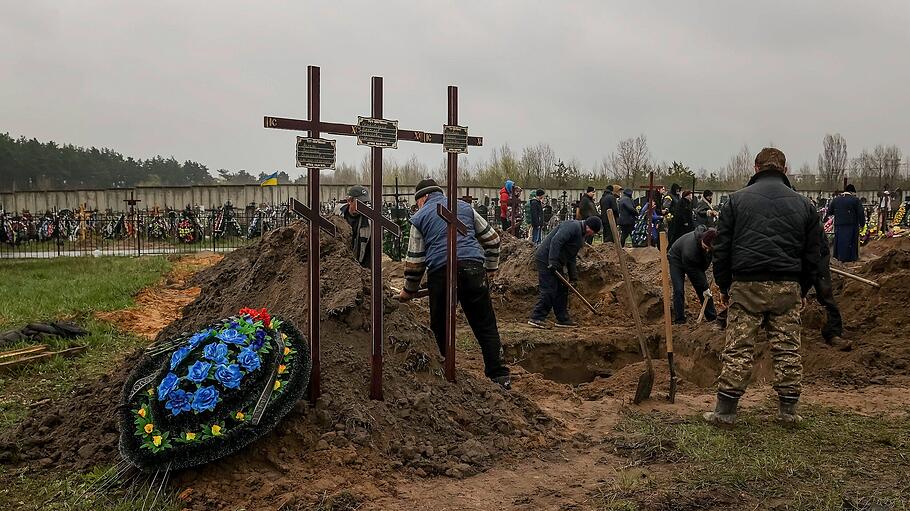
{"x": 628, "y": 215}
{"x": 558, "y": 253}
{"x": 478, "y": 255}
{"x": 849, "y": 218}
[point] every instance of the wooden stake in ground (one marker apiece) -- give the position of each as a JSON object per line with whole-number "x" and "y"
{"x": 668, "y": 324}
{"x": 646, "y": 380}
{"x": 857, "y": 278}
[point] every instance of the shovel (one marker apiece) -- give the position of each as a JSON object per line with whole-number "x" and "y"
{"x": 668, "y": 325}
{"x": 577, "y": 292}
{"x": 704, "y": 306}
{"x": 422, "y": 292}
{"x": 646, "y": 380}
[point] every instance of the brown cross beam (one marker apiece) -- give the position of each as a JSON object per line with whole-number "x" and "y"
{"x": 314, "y": 126}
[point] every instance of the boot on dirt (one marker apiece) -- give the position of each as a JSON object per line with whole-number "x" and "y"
{"x": 724, "y": 414}
{"x": 537, "y": 323}
{"x": 786, "y": 413}
{"x": 566, "y": 324}
{"x": 840, "y": 343}
{"x": 503, "y": 381}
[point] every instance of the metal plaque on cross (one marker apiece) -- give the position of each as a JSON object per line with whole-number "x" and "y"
{"x": 315, "y": 153}
{"x": 455, "y": 139}
{"x": 373, "y": 132}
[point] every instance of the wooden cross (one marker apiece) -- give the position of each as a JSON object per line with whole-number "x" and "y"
{"x": 314, "y": 126}
{"x": 450, "y": 215}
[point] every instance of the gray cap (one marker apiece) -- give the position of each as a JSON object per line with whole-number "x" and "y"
{"x": 359, "y": 192}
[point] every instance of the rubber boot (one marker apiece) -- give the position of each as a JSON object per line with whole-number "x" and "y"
{"x": 724, "y": 414}
{"x": 786, "y": 413}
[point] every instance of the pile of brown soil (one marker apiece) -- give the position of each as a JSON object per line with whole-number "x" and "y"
{"x": 424, "y": 426}
{"x": 600, "y": 281}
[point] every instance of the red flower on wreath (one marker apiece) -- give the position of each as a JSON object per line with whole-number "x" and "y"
{"x": 258, "y": 314}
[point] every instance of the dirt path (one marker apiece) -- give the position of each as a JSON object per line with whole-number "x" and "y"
{"x": 159, "y": 305}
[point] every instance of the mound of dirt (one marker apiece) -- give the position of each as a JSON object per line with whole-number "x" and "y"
{"x": 600, "y": 281}
{"x": 425, "y": 424}
{"x": 875, "y": 322}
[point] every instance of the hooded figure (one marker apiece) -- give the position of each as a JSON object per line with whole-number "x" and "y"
{"x": 505, "y": 193}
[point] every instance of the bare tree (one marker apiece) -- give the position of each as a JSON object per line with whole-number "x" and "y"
{"x": 832, "y": 162}
{"x": 630, "y": 161}
{"x": 738, "y": 169}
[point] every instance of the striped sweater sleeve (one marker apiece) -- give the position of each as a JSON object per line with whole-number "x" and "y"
{"x": 415, "y": 263}
{"x": 489, "y": 240}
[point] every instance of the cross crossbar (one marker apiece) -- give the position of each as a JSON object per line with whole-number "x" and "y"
{"x": 376, "y": 216}
{"x": 312, "y": 216}
{"x": 350, "y": 130}
{"x": 452, "y": 218}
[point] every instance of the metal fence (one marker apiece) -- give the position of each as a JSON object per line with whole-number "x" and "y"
{"x": 68, "y": 233}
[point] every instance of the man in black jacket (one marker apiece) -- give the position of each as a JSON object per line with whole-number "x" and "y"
{"x": 849, "y": 218}
{"x": 537, "y": 221}
{"x": 766, "y": 258}
{"x": 628, "y": 215}
{"x": 690, "y": 256}
{"x": 587, "y": 209}
{"x": 558, "y": 253}
{"x": 608, "y": 203}
{"x": 360, "y": 225}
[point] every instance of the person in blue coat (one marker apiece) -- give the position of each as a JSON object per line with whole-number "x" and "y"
{"x": 849, "y": 218}
{"x": 558, "y": 253}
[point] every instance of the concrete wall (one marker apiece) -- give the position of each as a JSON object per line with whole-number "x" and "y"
{"x": 239, "y": 195}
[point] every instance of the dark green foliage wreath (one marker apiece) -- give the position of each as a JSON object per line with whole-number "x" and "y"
{"x": 193, "y": 400}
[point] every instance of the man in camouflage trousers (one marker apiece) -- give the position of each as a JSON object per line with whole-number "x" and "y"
{"x": 766, "y": 258}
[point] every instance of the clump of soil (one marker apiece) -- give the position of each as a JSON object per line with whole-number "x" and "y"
{"x": 424, "y": 425}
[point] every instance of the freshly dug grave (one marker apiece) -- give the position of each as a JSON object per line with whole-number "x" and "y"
{"x": 425, "y": 424}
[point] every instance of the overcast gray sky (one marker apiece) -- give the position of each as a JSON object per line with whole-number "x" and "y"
{"x": 700, "y": 79}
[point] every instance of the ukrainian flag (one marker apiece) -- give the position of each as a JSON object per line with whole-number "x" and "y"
{"x": 270, "y": 180}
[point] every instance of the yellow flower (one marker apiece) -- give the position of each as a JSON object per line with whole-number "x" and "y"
{"x": 149, "y": 428}
{"x": 156, "y": 440}
{"x": 287, "y": 351}
{"x": 141, "y": 412}
{"x": 281, "y": 369}
{"x": 191, "y": 436}
{"x": 277, "y": 384}
{"x": 216, "y": 430}
{"x": 239, "y": 416}
{"x": 284, "y": 336}
{"x": 151, "y": 392}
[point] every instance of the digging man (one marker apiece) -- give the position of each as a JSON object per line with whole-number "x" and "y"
{"x": 766, "y": 258}
{"x": 690, "y": 256}
{"x": 557, "y": 251}
{"x": 478, "y": 257}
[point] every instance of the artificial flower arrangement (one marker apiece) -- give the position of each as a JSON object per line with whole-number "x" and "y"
{"x": 205, "y": 395}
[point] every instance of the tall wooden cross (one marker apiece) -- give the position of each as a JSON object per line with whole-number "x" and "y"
{"x": 378, "y": 133}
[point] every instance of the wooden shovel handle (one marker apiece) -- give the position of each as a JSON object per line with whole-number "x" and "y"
{"x": 633, "y": 304}
{"x": 665, "y": 274}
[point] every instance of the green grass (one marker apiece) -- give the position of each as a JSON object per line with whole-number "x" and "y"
{"x": 833, "y": 460}
{"x": 46, "y": 289}
{"x": 77, "y": 492}
{"x": 34, "y": 290}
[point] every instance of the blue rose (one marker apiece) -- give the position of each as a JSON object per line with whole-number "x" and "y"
{"x": 216, "y": 352}
{"x": 229, "y": 376}
{"x": 180, "y": 401}
{"x": 198, "y": 372}
{"x": 258, "y": 340}
{"x": 232, "y": 336}
{"x": 234, "y": 324}
{"x": 199, "y": 337}
{"x": 205, "y": 399}
{"x": 168, "y": 383}
{"x": 178, "y": 357}
{"x": 249, "y": 359}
